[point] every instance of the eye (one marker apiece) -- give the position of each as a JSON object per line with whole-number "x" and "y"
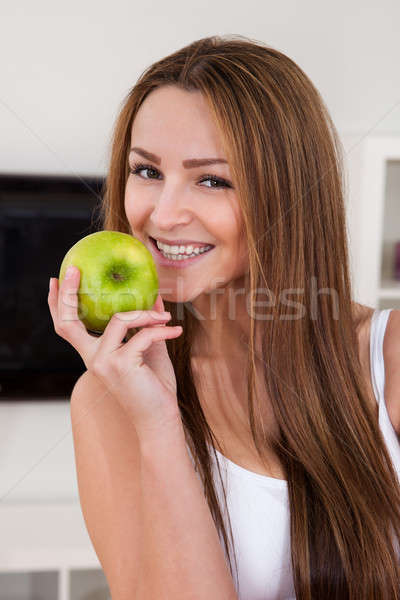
{"x": 218, "y": 182}
{"x": 137, "y": 167}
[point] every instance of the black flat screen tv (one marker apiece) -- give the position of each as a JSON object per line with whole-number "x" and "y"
{"x": 41, "y": 217}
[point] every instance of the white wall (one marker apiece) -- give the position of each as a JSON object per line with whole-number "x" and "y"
{"x": 36, "y": 453}
{"x": 65, "y": 69}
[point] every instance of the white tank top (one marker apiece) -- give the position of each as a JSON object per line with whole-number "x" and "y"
{"x": 259, "y": 509}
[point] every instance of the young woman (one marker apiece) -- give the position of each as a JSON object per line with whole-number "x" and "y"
{"x": 262, "y": 415}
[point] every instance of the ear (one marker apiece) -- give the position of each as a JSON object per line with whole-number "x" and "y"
{"x": 391, "y": 355}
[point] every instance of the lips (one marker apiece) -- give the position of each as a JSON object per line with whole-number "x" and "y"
{"x": 176, "y": 264}
{"x": 181, "y": 243}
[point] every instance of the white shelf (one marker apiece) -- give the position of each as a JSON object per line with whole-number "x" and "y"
{"x": 390, "y": 288}
{"x": 378, "y": 221}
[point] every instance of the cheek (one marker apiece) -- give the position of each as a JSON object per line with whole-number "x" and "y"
{"x": 242, "y": 259}
{"x": 129, "y": 212}
{"x": 134, "y": 211}
{"x": 242, "y": 256}
{"x": 127, "y": 202}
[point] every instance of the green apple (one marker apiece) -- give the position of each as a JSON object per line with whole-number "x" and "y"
{"x": 118, "y": 274}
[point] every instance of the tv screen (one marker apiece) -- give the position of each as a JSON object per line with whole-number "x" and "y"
{"x": 41, "y": 217}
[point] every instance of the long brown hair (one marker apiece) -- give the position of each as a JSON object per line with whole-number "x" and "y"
{"x": 287, "y": 163}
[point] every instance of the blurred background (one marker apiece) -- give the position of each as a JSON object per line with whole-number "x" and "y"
{"x": 65, "y": 70}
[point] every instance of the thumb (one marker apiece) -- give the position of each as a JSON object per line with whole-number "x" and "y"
{"x": 159, "y": 304}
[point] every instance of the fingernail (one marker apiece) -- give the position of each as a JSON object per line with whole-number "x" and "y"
{"x": 70, "y": 272}
{"x": 50, "y": 283}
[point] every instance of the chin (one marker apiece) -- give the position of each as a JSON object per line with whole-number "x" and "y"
{"x": 180, "y": 298}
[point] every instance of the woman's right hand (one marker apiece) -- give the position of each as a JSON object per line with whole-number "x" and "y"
{"x": 138, "y": 373}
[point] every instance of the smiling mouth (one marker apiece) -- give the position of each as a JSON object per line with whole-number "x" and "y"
{"x": 178, "y": 259}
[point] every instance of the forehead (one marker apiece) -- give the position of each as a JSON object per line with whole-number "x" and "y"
{"x": 173, "y": 118}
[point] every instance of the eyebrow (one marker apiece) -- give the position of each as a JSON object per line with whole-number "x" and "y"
{"x": 190, "y": 163}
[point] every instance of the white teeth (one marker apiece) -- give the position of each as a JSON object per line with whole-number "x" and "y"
{"x": 181, "y": 252}
{"x": 184, "y": 251}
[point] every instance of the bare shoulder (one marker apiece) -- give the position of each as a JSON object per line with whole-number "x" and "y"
{"x": 87, "y": 393}
{"x": 93, "y": 405}
{"x": 87, "y": 382}
{"x": 391, "y": 344}
{"x": 391, "y": 354}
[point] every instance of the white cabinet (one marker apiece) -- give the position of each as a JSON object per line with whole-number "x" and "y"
{"x": 378, "y": 222}
{"x": 46, "y": 554}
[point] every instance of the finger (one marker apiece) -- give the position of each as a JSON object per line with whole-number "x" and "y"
{"x": 68, "y": 320}
{"x": 144, "y": 339}
{"x": 85, "y": 346}
{"x": 158, "y": 307}
{"x": 52, "y": 299}
{"x": 159, "y": 304}
{"x": 120, "y": 323}
{"x": 162, "y": 308}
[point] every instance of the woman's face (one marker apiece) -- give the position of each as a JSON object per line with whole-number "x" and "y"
{"x": 168, "y": 198}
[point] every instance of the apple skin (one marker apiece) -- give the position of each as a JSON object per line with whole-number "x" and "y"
{"x": 118, "y": 274}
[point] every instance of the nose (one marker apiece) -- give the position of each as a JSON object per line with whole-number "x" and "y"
{"x": 170, "y": 210}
